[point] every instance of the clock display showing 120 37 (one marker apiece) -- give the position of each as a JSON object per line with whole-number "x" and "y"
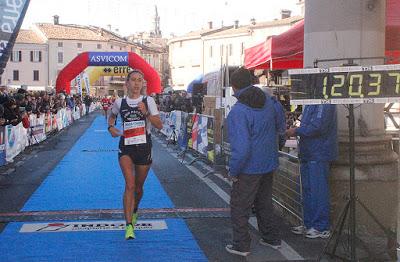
{"x": 345, "y": 85}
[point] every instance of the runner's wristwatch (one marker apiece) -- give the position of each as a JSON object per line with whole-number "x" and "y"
{"x": 108, "y": 128}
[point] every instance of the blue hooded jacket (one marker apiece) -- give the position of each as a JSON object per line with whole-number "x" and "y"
{"x": 318, "y": 133}
{"x": 252, "y": 128}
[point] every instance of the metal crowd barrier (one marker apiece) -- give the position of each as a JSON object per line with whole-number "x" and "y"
{"x": 286, "y": 187}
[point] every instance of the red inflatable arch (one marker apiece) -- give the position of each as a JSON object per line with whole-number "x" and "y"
{"x": 79, "y": 63}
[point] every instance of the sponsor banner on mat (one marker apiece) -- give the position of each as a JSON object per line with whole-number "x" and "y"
{"x": 91, "y": 226}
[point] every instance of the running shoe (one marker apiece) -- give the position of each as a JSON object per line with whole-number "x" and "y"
{"x": 134, "y": 219}
{"x": 313, "y": 233}
{"x": 275, "y": 244}
{"x": 129, "y": 232}
{"x": 232, "y": 250}
{"x": 299, "y": 230}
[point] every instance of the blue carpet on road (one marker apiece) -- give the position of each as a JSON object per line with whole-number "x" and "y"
{"x": 89, "y": 177}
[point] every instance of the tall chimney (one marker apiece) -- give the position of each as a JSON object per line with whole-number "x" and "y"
{"x": 253, "y": 21}
{"x": 56, "y": 19}
{"x": 285, "y": 13}
{"x": 210, "y": 25}
{"x": 236, "y": 25}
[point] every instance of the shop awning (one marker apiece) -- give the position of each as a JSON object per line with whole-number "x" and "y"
{"x": 282, "y": 51}
{"x": 392, "y": 37}
{"x": 285, "y": 51}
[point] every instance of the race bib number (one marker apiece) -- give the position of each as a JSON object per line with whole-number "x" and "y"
{"x": 135, "y": 132}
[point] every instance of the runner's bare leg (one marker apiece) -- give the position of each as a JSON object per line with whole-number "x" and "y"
{"x": 141, "y": 175}
{"x": 126, "y": 165}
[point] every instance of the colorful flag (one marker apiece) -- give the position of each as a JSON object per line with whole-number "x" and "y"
{"x": 12, "y": 14}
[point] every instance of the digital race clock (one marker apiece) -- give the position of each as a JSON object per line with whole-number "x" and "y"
{"x": 345, "y": 85}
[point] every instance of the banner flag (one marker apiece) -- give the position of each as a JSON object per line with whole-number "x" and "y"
{"x": 183, "y": 136}
{"x": 210, "y": 137}
{"x": 195, "y": 131}
{"x": 2, "y": 146}
{"x": 79, "y": 84}
{"x": 85, "y": 78}
{"x": 202, "y": 140}
{"x": 190, "y": 121}
{"x": 12, "y": 14}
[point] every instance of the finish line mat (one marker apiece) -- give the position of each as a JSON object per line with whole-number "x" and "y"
{"x": 89, "y": 178}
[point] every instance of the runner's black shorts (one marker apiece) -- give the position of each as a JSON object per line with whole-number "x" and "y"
{"x": 140, "y": 154}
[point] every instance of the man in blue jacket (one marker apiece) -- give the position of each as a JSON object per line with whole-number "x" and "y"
{"x": 317, "y": 149}
{"x": 253, "y": 125}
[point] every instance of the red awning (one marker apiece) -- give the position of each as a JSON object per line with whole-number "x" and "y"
{"x": 282, "y": 51}
{"x": 285, "y": 51}
{"x": 392, "y": 36}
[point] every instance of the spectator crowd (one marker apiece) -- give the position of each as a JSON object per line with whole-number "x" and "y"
{"x": 17, "y": 105}
{"x": 174, "y": 101}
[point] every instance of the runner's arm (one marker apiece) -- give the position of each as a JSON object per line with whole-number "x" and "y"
{"x": 111, "y": 120}
{"x": 155, "y": 121}
{"x": 153, "y": 115}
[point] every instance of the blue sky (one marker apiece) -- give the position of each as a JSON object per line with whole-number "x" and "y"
{"x": 177, "y": 16}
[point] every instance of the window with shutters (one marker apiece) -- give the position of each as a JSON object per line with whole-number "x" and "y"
{"x": 16, "y": 56}
{"x": 35, "y": 75}
{"x": 98, "y": 46}
{"x": 60, "y": 44}
{"x": 60, "y": 57}
{"x": 36, "y": 56}
{"x": 15, "y": 75}
{"x": 79, "y": 45}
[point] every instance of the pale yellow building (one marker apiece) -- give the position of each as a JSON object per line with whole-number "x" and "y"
{"x": 203, "y": 51}
{"x": 186, "y": 56}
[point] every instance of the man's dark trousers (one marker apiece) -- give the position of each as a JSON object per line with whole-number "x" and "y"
{"x": 249, "y": 190}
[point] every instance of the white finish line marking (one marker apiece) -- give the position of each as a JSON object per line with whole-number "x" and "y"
{"x": 91, "y": 226}
{"x": 100, "y": 130}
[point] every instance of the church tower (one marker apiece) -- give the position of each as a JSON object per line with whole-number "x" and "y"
{"x": 157, "y": 31}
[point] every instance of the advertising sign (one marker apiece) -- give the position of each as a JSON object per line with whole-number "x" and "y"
{"x": 108, "y": 58}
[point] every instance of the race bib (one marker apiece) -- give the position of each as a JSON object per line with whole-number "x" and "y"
{"x": 135, "y": 132}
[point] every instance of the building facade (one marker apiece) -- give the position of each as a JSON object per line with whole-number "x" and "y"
{"x": 28, "y": 62}
{"x": 186, "y": 56}
{"x": 41, "y": 52}
{"x": 205, "y": 51}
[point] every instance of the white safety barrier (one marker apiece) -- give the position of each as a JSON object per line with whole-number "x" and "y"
{"x": 14, "y": 139}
